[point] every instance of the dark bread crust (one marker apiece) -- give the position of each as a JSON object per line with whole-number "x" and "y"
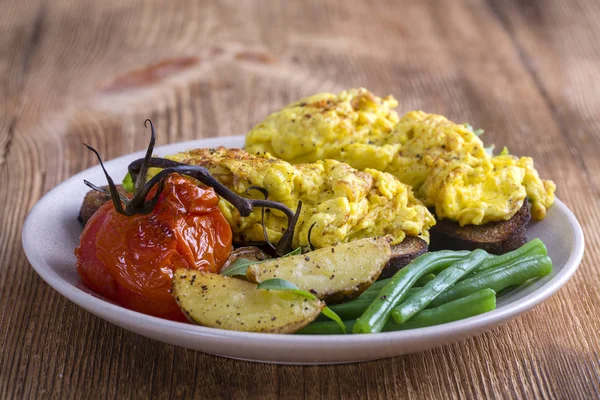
{"x": 93, "y": 201}
{"x": 494, "y": 237}
{"x": 402, "y": 254}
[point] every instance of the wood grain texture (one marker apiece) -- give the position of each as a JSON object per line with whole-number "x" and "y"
{"x": 527, "y": 72}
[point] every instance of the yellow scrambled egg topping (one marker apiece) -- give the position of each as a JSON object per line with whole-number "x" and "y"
{"x": 445, "y": 163}
{"x": 342, "y": 203}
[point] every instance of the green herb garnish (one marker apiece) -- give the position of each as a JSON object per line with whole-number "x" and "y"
{"x": 476, "y": 132}
{"x": 128, "y": 184}
{"x": 282, "y": 284}
{"x": 240, "y": 266}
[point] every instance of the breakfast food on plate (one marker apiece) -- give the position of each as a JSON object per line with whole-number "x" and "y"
{"x": 131, "y": 245}
{"x": 228, "y": 303}
{"x": 494, "y": 237}
{"x": 410, "y": 248}
{"x": 334, "y": 274}
{"x": 446, "y": 163}
{"x": 327, "y": 205}
{"x": 130, "y": 259}
{"x": 339, "y": 203}
{"x": 466, "y": 284}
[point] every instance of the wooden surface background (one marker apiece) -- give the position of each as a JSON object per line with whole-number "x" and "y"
{"x": 528, "y": 72}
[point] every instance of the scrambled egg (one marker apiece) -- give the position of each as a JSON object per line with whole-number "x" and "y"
{"x": 445, "y": 163}
{"x": 343, "y": 204}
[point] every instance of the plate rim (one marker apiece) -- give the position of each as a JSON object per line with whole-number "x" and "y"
{"x": 122, "y": 316}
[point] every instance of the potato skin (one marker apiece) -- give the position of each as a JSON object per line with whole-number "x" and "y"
{"x": 334, "y": 274}
{"x": 221, "y": 302}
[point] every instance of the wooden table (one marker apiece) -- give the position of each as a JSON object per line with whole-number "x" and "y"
{"x": 526, "y": 72}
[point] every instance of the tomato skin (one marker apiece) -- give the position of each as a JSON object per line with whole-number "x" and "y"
{"x": 165, "y": 308}
{"x": 91, "y": 270}
{"x": 131, "y": 259}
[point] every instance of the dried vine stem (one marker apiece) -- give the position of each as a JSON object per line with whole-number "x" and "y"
{"x": 139, "y": 204}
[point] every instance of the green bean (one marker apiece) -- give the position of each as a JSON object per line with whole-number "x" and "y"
{"x": 374, "y": 289}
{"x": 378, "y": 313}
{"x": 474, "y": 304}
{"x": 507, "y": 290}
{"x": 422, "y": 281}
{"x": 469, "y": 306}
{"x": 354, "y": 308}
{"x": 533, "y": 247}
{"x": 514, "y": 273}
{"x": 373, "y": 295}
{"x": 350, "y": 310}
{"x": 421, "y": 299}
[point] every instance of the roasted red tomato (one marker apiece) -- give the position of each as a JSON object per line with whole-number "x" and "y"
{"x": 130, "y": 259}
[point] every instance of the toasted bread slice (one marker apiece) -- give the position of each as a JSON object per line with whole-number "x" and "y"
{"x": 402, "y": 254}
{"x": 93, "y": 201}
{"x": 494, "y": 237}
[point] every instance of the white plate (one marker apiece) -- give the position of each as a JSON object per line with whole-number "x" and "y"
{"x": 51, "y": 232}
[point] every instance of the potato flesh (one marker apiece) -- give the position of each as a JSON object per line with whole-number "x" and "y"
{"x": 331, "y": 273}
{"x": 228, "y": 303}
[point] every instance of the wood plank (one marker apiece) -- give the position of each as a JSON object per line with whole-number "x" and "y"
{"x": 469, "y": 60}
{"x": 564, "y": 67}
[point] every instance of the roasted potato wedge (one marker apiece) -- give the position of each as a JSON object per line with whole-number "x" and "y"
{"x": 334, "y": 274}
{"x": 228, "y": 303}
